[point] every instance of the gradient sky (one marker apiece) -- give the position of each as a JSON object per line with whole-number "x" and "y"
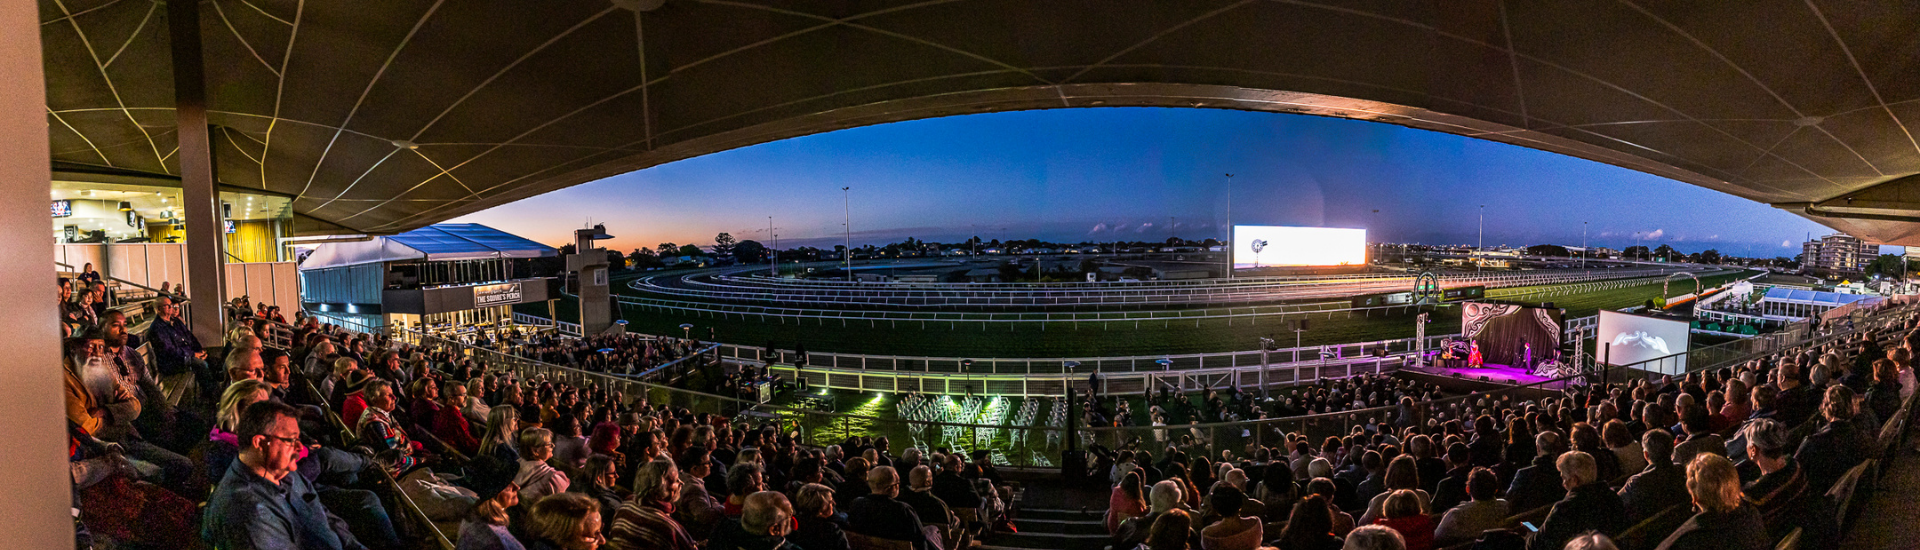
{"x": 1104, "y": 174}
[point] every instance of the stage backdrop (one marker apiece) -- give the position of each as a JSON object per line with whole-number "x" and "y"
{"x": 1504, "y": 329}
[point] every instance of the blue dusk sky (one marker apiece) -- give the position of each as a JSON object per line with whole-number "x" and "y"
{"x": 1106, "y": 174}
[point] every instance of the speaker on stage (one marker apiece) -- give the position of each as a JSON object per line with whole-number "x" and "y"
{"x": 1303, "y": 324}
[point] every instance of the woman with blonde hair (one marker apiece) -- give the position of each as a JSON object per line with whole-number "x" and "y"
{"x": 1725, "y": 521}
{"x": 222, "y": 445}
{"x": 502, "y": 423}
{"x": 565, "y": 521}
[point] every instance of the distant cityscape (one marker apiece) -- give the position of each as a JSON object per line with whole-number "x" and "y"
{"x": 1837, "y": 255}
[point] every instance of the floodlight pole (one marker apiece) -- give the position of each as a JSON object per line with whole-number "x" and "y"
{"x": 1583, "y": 245}
{"x": 773, "y": 260}
{"x": 1481, "y": 249}
{"x": 1230, "y": 232}
{"x": 848, "y": 256}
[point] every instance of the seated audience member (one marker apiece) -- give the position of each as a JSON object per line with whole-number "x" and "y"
{"x": 1469, "y": 519}
{"x": 1724, "y": 521}
{"x": 1661, "y": 485}
{"x": 1374, "y": 537}
{"x": 919, "y": 495}
{"x": 954, "y": 488}
{"x": 258, "y": 504}
{"x": 879, "y": 514}
{"x": 1127, "y": 501}
{"x": 1591, "y": 541}
{"x": 697, "y": 510}
{"x": 1589, "y": 506}
{"x": 1342, "y": 521}
{"x": 450, "y": 421}
{"x": 1782, "y": 481}
{"x": 536, "y": 478}
{"x": 1838, "y": 446}
{"x": 1164, "y": 496}
{"x": 645, "y": 522}
{"x": 1453, "y": 488}
{"x": 600, "y": 479}
{"x": 379, "y": 430}
{"x": 503, "y": 427}
{"x": 565, "y": 521}
{"x": 764, "y": 525}
{"x": 223, "y": 444}
{"x": 1401, "y": 474}
{"x": 742, "y": 480}
{"x": 1540, "y": 484}
{"x": 1402, "y": 513}
{"x": 1625, "y": 450}
{"x": 1171, "y": 531}
{"x": 1310, "y": 526}
{"x": 177, "y": 351}
{"x": 1235, "y": 530}
{"x": 1700, "y": 436}
{"x": 485, "y": 528}
{"x": 817, "y": 529}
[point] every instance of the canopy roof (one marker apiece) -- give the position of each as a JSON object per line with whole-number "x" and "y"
{"x": 378, "y": 117}
{"x": 1811, "y": 297}
{"x": 433, "y": 243}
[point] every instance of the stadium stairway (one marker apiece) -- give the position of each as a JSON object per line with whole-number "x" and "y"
{"x": 1053, "y": 529}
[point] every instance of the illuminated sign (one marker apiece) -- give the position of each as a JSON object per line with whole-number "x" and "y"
{"x": 494, "y": 295}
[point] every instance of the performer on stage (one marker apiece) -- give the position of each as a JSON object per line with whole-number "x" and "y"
{"x": 1474, "y": 360}
{"x": 1526, "y": 355}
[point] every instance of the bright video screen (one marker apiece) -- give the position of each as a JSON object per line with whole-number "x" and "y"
{"x": 1637, "y": 338}
{"x": 1275, "y": 246}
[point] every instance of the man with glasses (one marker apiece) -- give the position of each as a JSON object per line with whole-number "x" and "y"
{"x": 257, "y": 504}
{"x": 176, "y": 351}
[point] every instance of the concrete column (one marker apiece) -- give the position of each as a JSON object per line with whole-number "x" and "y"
{"x": 33, "y": 462}
{"x": 199, "y": 195}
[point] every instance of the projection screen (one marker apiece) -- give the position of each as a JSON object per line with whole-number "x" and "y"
{"x": 1628, "y": 339}
{"x": 1276, "y": 246}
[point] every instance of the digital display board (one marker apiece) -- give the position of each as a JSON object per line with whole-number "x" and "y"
{"x": 62, "y": 208}
{"x": 1277, "y": 246}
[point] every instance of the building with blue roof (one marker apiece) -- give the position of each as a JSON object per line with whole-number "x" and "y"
{"x": 442, "y": 275}
{"x": 1800, "y": 303}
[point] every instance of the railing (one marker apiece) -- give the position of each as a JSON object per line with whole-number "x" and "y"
{"x": 819, "y": 293}
{"x": 1048, "y": 376}
{"x": 562, "y": 327}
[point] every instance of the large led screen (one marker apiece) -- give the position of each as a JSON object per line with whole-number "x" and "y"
{"x": 1275, "y": 246}
{"x": 1628, "y": 339}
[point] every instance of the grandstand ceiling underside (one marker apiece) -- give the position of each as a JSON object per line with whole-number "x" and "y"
{"x": 379, "y": 117}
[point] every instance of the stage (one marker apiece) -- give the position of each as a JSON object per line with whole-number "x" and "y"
{"x": 1489, "y": 377}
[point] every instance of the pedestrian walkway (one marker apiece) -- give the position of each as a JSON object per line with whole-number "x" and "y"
{"x": 1889, "y": 518}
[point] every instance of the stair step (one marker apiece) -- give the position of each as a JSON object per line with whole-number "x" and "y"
{"x": 1072, "y": 527}
{"x": 1054, "y": 541}
{"x": 1056, "y": 514}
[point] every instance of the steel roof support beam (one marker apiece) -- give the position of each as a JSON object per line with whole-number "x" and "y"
{"x": 199, "y": 195}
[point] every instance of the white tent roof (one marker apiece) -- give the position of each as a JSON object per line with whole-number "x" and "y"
{"x": 438, "y": 243}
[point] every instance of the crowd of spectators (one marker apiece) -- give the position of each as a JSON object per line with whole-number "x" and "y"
{"x": 311, "y": 447}
{"x": 1733, "y": 458}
